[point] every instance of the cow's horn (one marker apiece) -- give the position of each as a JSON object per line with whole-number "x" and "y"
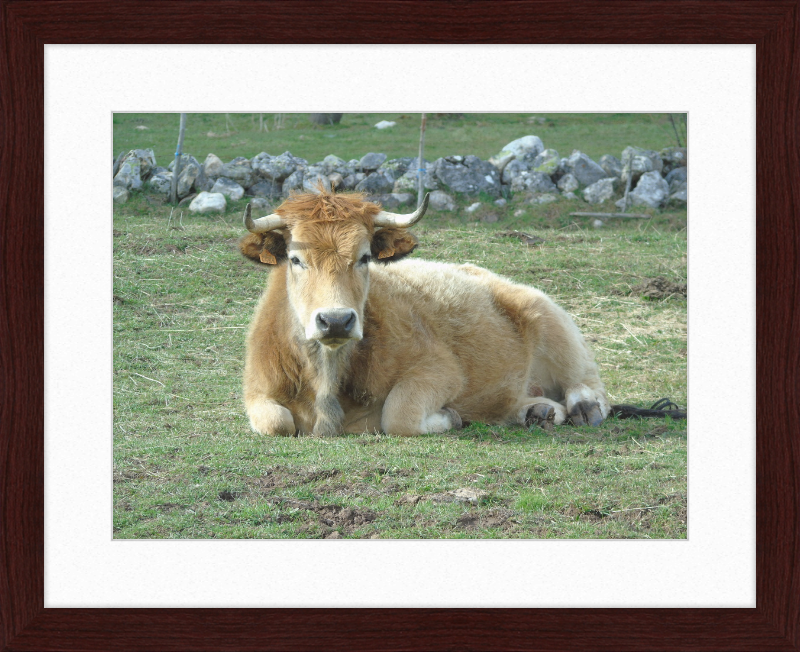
{"x": 262, "y": 224}
{"x": 385, "y": 218}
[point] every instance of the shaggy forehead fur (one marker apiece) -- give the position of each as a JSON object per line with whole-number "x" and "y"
{"x": 329, "y": 228}
{"x": 324, "y": 207}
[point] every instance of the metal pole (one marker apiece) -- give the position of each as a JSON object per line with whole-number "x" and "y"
{"x": 420, "y": 162}
{"x": 176, "y": 170}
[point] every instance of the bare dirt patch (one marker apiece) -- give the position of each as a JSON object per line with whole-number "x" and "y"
{"x": 344, "y": 520}
{"x": 281, "y": 477}
{"x": 659, "y": 288}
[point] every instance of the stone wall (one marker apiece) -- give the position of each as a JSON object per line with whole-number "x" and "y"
{"x": 523, "y": 167}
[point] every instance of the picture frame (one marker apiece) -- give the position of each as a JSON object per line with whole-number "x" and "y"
{"x": 26, "y": 625}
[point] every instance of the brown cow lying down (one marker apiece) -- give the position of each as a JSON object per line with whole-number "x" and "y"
{"x": 348, "y": 337}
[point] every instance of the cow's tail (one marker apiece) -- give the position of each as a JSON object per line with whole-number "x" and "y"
{"x": 660, "y": 409}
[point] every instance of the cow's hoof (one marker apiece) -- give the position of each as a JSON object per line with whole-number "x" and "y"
{"x": 540, "y": 414}
{"x": 455, "y": 418}
{"x": 586, "y": 413}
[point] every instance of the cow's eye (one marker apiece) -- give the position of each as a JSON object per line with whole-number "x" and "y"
{"x": 296, "y": 261}
{"x": 365, "y": 259}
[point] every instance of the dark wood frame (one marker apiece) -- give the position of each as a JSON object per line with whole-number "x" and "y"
{"x": 27, "y": 25}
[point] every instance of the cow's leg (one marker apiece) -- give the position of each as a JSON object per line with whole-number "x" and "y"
{"x": 565, "y": 366}
{"x": 587, "y": 406}
{"x": 268, "y": 417}
{"x": 416, "y": 407}
{"x": 540, "y": 410}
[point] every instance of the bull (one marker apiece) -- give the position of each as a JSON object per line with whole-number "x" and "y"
{"x": 349, "y": 336}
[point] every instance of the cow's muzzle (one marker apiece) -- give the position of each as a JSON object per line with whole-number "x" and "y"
{"x": 336, "y": 325}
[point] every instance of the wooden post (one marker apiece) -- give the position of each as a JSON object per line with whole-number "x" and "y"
{"x": 177, "y": 167}
{"x": 420, "y": 170}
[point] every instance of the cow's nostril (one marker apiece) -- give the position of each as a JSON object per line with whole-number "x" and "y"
{"x": 336, "y": 323}
{"x": 350, "y": 322}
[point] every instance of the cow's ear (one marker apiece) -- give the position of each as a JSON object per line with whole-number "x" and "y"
{"x": 264, "y": 248}
{"x": 392, "y": 244}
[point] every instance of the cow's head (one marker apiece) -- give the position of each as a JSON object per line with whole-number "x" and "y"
{"x": 327, "y": 242}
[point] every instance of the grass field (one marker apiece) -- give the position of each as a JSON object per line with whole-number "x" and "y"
{"x": 481, "y": 134}
{"x": 186, "y": 464}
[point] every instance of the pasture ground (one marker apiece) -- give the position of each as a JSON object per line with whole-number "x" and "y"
{"x": 186, "y": 464}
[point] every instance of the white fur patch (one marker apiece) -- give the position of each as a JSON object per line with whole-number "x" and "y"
{"x": 436, "y": 422}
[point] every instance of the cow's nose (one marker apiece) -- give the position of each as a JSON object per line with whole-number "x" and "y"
{"x": 336, "y": 323}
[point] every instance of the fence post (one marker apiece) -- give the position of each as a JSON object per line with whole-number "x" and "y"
{"x": 177, "y": 167}
{"x": 420, "y": 163}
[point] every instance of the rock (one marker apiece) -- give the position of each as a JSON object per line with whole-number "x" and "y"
{"x": 349, "y": 182}
{"x": 584, "y": 169}
{"x": 372, "y": 161}
{"x": 652, "y": 190}
{"x": 533, "y": 182}
{"x": 512, "y": 170}
{"x": 473, "y": 207}
{"x": 274, "y": 168}
{"x": 601, "y": 190}
{"x": 129, "y": 175}
{"x": 208, "y": 202}
{"x": 212, "y": 166}
{"x": 568, "y": 183}
{"x": 325, "y": 118}
{"x": 396, "y": 168}
{"x": 375, "y": 184}
{"x": 598, "y": 224}
{"x": 441, "y": 201}
{"x": 192, "y": 175}
{"x": 519, "y": 212}
{"x": 121, "y": 194}
{"x": 500, "y": 163}
{"x": 265, "y": 188}
{"x": 470, "y": 175}
{"x": 293, "y": 182}
{"x": 676, "y": 186}
{"x": 530, "y": 146}
{"x": 260, "y": 206}
{"x": 637, "y": 161}
{"x": 611, "y": 164}
{"x": 394, "y": 200}
{"x": 468, "y": 495}
{"x": 569, "y": 195}
{"x": 403, "y": 198}
{"x": 187, "y": 178}
{"x": 135, "y": 168}
{"x": 333, "y": 163}
{"x": 229, "y": 188}
{"x": 160, "y": 183}
{"x": 500, "y": 202}
{"x": 240, "y": 171}
{"x": 677, "y": 175}
{"x": 679, "y": 198}
{"x": 673, "y": 158}
{"x": 385, "y": 124}
{"x": 547, "y": 162}
{"x": 489, "y": 218}
{"x": 147, "y": 161}
{"x": 409, "y": 180}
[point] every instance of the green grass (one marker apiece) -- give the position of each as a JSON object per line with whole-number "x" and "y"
{"x": 481, "y": 134}
{"x": 186, "y": 464}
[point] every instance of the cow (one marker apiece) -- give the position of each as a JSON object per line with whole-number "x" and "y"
{"x": 350, "y": 336}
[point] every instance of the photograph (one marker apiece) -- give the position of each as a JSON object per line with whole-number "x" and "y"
{"x": 400, "y": 325}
